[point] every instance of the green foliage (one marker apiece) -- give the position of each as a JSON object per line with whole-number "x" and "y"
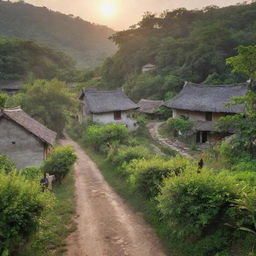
{"x": 196, "y": 206}
{"x": 185, "y": 45}
{"x": 47, "y": 101}
{"x": 86, "y": 42}
{"x": 3, "y": 99}
{"x": 245, "y": 61}
{"x": 101, "y": 136}
{"x": 125, "y": 154}
{"x": 179, "y": 124}
{"x": 31, "y": 173}
{"x": 60, "y": 162}
{"x": 21, "y": 60}
{"x": 21, "y": 205}
{"x": 147, "y": 175}
{"x": 6, "y": 164}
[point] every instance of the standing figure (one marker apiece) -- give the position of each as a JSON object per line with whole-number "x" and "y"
{"x": 44, "y": 183}
{"x": 200, "y": 165}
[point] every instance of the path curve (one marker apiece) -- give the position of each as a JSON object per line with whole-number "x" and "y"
{"x": 106, "y": 226}
{"x": 153, "y": 130}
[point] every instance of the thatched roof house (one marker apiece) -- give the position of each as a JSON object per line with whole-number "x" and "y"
{"x": 11, "y": 87}
{"x": 24, "y": 139}
{"x": 149, "y": 106}
{"x": 107, "y": 101}
{"x": 208, "y": 98}
{"x": 108, "y": 107}
{"x": 205, "y": 104}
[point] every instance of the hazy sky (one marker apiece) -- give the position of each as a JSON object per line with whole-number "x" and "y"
{"x": 120, "y": 14}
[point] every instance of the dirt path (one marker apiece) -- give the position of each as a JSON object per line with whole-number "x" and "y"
{"x": 153, "y": 130}
{"x": 106, "y": 225}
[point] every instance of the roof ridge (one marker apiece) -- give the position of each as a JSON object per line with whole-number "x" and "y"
{"x": 216, "y": 85}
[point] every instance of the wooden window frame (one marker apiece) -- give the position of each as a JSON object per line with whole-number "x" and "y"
{"x": 117, "y": 115}
{"x": 208, "y": 116}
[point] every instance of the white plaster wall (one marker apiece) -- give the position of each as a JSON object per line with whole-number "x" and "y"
{"x": 27, "y": 150}
{"x": 106, "y": 118}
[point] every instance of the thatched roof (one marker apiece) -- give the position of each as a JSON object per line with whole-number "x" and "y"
{"x": 149, "y": 106}
{"x": 208, "y": 98}
{"x": 11, "y": 85}
{"x": 31, "y": 125}
{"x": 107, "y": 101}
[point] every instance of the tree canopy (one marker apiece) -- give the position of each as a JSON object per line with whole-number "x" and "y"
{"x": 49, "y": 102}
{"x": 185, "y": 45}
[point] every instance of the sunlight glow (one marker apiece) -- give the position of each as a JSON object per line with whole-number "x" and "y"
{"x": 108, "y": 9}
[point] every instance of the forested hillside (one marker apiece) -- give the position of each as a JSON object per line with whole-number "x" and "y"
{"x": 185, "y": 45}
{"x": 87, "y": 43}
{"x": 23, "y": 60}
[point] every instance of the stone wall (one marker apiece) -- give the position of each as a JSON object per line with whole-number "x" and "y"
{"x": 20, "y": 145}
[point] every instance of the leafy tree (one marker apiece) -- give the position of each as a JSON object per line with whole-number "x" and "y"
{"x": 6, "y": 164}
{"x": 47, "y": 101}
{"x": 244, "y": 124}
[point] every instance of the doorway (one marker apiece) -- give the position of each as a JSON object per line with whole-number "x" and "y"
{"x": 201, "y": 137}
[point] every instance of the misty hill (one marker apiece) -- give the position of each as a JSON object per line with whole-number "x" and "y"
{"x": 26, "y": 60}
{"x": 185, "y": 45}
{"x": 87, "y": 43}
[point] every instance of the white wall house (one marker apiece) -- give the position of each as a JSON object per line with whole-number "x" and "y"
{"x": 106, "y": 107}
{"x": 205, "y": 104}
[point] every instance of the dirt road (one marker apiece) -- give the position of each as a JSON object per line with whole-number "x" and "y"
{"x": 106, "y": 226}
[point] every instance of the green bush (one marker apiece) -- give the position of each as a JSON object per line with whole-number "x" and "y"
{"x": 126, "y": 154}
{"x": 60, "y": 162}
{"x": 179, "y": 124}
{"x": 6, "y": 164}
{"x": 31, "y": 173}
{"x": 147, "y": 175}
{"x": 197, "y": 206}
{"x": 21, "y": 203}
{"x": 100, "y": 136}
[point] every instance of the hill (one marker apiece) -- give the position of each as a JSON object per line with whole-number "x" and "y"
{"x": 85, "y": 42}
{"x": 185, "y": 45}
{"x": 23, "y": 60}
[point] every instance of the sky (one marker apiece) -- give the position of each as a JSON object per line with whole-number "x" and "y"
{"x": 120, "y": 14}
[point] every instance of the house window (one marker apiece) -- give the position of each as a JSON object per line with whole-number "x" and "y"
{"x": 208, "y": 116}
{"x": 117, "y": 115}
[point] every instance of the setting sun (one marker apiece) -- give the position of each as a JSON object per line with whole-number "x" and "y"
{"x": 108, "y": 9}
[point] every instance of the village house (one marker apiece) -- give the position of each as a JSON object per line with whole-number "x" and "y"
{"x": 149, "y": 107}
{"x": 26, "y": 141}
{"x": 205, "y": 104}
{"x": 148, "y": 67}
{"x": 11, "y": 87}
{"x": 108, "y": 107}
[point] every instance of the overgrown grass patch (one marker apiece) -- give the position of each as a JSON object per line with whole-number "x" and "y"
{"x": 56, "y": 224}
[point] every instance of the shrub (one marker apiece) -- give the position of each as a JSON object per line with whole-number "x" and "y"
{"x": 21, "y": 204}
{"x": 147, "y": 175}
{"x": 100, "y": 136}
{"x": 196, "y": 208}
{"x": 60, "y": 162}
{"x": 31, "y": 173}
{"x": 179, "y": 124}
{"x": 126, "y": 154}
{"x": 6, "y": 164}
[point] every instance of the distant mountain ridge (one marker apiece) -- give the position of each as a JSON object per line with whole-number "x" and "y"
{"x": 87, "y": 43}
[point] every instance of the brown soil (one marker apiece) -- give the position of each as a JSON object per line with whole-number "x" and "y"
{"x": 106, "y": 226}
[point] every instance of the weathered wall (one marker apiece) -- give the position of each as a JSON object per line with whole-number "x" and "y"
{"x": 196, "y": 115}
{"x": 106, "y": 118}
{"x": 21, "y": 146}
